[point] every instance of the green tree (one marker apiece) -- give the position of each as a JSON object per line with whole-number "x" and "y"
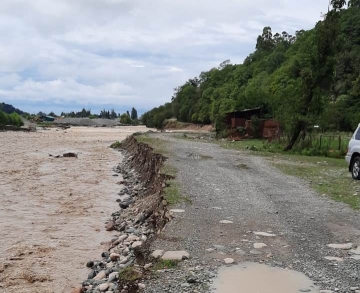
{"x": 338, "y": 4}
{"x": 134, "y": 114}
{"x": 3, "y": 119}
{"x": 125, "y": 118}
{"x": 265, "y": 41}
{"x": 354, "y": 3}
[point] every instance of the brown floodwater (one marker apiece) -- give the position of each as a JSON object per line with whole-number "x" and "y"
{"x": 53, "y": 210}
{"x": 258, "y": 278}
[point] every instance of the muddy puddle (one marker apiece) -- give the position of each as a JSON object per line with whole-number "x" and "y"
{"x": 258, "y": 278}
{"x": 53, "y": 210}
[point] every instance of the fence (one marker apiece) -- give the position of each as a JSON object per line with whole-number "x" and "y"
{"x": 320, "y": 143}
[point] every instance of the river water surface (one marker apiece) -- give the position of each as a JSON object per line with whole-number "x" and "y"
{"x": 53, "y": 210}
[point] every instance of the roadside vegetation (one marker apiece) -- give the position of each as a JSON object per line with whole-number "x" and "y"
{"x": 129, "y": 275}
{"x": 116, "y": 145}
{"x": 173, "y": 195}
{"x": 332, "y": 146}
{"x": 157, "y": 144}
{"x": 165, "y": 264}
{"x": 328, "y": 175}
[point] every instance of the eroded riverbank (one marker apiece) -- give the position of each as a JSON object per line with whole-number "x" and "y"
{"x": 53, "y": 210}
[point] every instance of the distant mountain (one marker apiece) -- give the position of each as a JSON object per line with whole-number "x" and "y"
{"x": 10, "y": 109}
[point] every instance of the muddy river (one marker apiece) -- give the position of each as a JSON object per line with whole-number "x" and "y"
{"x": 53, "y": 210}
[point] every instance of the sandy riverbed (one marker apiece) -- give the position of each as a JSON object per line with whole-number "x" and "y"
{"x": 53, "y": 210}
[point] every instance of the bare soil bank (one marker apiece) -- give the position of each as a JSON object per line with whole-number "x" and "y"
{"x": 174, "y": 125}
{"x": 142, "y": 214}
{"x": 53, "y": 210}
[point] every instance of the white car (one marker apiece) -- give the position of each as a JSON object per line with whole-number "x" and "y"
{"x": 353, "y": 155}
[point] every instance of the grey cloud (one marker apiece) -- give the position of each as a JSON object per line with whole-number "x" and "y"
{"x": 129, "y": 51}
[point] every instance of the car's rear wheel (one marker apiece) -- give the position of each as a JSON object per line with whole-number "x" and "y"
{"x": 355, "y": 168}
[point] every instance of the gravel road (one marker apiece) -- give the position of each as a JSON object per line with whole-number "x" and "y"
{"x": 251, "y": 196}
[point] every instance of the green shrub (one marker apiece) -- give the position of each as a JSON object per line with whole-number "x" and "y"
{"x": 165, "y": 264}
{"x": 3, "y": 119}
{"x": 116, "y": 145}
{"x": 129, "y": 274}
{"x": 241, "y": 130}
{"x": 125, "y": 119}
{"x": 10, "y": 119}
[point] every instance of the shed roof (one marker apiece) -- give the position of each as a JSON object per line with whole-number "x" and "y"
{"x": 245, "y": 111}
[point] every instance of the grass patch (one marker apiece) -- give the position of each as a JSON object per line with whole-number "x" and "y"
{"x": 129, "y": 274}
{"x": 165, "y": 264}
{"x": 116, "y": 145}
{"x": 168, "y": 170}
{"x": 157, "y": 144}
{"x": 328, "y": 176}
{"x": 173, "y": 195}
{"x": 45, "y": 124}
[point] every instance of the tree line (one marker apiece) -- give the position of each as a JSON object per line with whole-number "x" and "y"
{"x": 125, "y": 118}
{"x": 306, "y": 79}
{"x": 10, "y": 115}
{"x": 105, "y": 114}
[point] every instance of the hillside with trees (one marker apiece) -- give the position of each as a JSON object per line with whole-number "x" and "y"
{"x": 8, "y": 109}
{"x": 310, "y": 78}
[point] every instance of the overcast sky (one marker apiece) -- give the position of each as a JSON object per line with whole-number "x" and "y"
{"x": 64, "y": 55}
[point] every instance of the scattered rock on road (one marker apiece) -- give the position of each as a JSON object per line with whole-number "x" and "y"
{"x": 265, "y": 234}
{"x": 175, "y": 255}
{"x": 333, "y": 258}
{"x": 344, "y": 246}
{"x": 229, "y": 261}
{"x": 157, "y": 254}
{"x": 259, "y": 245}
{"x": 226, "y": 222}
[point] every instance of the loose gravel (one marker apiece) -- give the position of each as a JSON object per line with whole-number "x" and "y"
{"x": 234, "y": 209}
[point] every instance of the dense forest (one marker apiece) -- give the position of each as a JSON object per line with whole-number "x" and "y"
{"x": 310, "y": 78}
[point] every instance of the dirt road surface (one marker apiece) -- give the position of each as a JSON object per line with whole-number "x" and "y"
{"x": 53, "y": 210}
{"x": 245, "y": 209}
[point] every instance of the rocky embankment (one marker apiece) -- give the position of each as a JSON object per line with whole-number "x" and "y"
{"x": 142, "y": 214}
